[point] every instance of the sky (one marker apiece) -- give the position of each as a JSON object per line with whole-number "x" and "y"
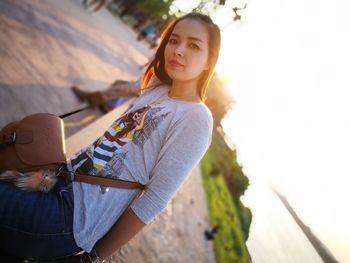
{"x": 288, "y": 65}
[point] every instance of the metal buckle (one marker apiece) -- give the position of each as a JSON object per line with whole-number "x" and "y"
{"x": 8, "y": 139}
{"x": 59, "y": 170}
{"x": 13, "y": 137}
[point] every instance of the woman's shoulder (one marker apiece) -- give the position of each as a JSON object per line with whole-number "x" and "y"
{"x": 200, "y": 111}
{"x": 197, "y": 114}
{"x": 154, "y": 91}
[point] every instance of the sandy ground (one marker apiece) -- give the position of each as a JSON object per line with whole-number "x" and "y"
{"x": 46, "y": 47}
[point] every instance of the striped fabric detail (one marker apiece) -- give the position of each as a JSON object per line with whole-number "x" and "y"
{"x": 107, "y": 148}
{"x": 99, "y": 162}
{"x": 77, "y": 165}
{"x": 101, "y": 157}
{"x": 99, "y": 150}
{"x": 104, "y": 152}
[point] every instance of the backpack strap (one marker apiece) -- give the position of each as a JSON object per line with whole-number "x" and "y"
{"x": 102, "y": 181}
{"x": 73, "y": 112}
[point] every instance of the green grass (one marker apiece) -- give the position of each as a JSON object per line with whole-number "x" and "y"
{"x": 229, "y": 244}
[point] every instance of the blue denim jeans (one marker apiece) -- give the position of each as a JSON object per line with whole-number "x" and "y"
{"x": 37, "y": 225}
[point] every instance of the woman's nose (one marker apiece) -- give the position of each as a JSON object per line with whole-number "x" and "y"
{"x": 179, "y": 51}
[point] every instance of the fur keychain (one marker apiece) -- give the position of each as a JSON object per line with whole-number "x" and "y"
{"x": 40, "y": 180}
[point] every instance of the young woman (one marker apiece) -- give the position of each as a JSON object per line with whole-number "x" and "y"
{"x": 156, "y": 142}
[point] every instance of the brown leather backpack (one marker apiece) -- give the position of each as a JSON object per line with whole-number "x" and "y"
{"x": 36, "y": 141}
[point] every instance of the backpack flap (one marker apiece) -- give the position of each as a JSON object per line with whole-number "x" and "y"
{"x": 36, "y": 141}
{"x": 41, "y": 140}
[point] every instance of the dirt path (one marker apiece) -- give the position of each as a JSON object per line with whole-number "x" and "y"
{"x": 47, "y": 46}
{"x": 177, "y": 235}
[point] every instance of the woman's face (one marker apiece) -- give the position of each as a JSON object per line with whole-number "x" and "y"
{"x": 186, "y": 53}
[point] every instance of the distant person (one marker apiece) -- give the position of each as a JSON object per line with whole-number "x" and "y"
{"x": 116, "y": 94}
{"x": 148, "y": 31}
{"x": 156, "y": 142}
{"x": 113, "y": 96}
{"x": 211, "y": 232}
{"x": 98, "y": 4}
{"x": 153, "y": 39}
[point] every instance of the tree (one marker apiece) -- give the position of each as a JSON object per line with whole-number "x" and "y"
{"x": 219, "y": 100}
{"x": 158, "y": 8}
{"x": 209, "y": 6}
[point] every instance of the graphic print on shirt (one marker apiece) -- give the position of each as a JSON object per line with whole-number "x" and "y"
{"x": 105, "y": 157}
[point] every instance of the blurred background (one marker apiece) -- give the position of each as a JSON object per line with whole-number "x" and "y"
{"x": 288, "y": 69}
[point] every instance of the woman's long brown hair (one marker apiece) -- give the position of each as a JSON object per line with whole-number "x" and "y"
{"x": 157, "y": 65}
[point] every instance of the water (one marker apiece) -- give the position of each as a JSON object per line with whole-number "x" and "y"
{"x": 274, "y": 235}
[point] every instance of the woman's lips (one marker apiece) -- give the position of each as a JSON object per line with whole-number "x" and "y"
{"x": 175, "y": 64}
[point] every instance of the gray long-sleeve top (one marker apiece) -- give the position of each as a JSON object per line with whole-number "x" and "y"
{"x": 156, "y": 142}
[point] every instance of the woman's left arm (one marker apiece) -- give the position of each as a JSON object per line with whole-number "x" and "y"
{"x": 184, "y": 145}
{"x": 127, "y": 226}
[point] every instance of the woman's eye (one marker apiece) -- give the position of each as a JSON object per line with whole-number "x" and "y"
{"x": 172, "y": 41}
{"x": 194, "y": 46}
